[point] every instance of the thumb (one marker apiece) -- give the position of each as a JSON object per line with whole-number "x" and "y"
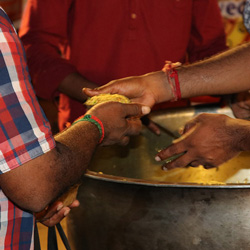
{"x": 136, "y": 110}
{"x": 92, "y": 92}
{"x": 186, "y": 134}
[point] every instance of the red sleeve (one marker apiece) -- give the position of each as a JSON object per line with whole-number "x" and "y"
{"x": 207, "y": 34}
{"x": 47, "y": 35}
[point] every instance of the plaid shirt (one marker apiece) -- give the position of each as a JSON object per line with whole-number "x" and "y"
{"x": 246, "y": 15}
{"x": 24, "y": 133}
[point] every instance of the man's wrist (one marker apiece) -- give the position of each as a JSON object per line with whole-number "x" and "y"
{"x": 168, "y": 94}
{"x": 173, "y": 79}
{"x": 94, "y": 120}
{"x": 161, "y": 90}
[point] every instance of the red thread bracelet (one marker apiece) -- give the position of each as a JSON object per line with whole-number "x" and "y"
{"x": 94, "y": 120}
{"x": 101, "y": 124}
{"x": 172, "y": 74}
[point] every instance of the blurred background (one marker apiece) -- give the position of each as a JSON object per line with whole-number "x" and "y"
{"x": 14, "y": 9}
{"x": 231, "y": 11}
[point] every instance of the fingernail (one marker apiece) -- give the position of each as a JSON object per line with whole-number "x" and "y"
{"x": 66, "y": 212}
{"x": 157, "y": 158}
{"x": 59, "y": 207}
{"x": 164, "y": 168}
{"x": 145, "y": 110}
{"x": 181, "y": 130}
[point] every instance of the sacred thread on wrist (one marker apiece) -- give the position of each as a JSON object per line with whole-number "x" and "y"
{"x": 93, "y": 119}
{"x": 172, "y": 75}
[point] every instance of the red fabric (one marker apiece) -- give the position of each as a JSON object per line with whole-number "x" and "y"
{"x": 102, "y": 127}
{"x": 114, "y": 38}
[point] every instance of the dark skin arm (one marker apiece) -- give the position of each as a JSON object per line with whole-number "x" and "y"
{"x": 226, "y": 73}
{"x": 73, "y": 84}
{"x": 40, "y": 181}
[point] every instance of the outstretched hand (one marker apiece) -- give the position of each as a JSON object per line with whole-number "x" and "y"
{"x": 146, "y": 89}
{"x": 208, "y": 140}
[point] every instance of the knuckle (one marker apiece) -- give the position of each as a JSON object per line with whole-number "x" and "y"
{"x": 163, "y": 154}
{"x": 195, "y": 164}
{"x": 136, "y": 109}
{"x": 176, "y": 164}
{"x": 124, "y": 141}
{"x": 171, "y": 150}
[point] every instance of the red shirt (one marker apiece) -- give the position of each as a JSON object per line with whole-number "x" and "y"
{"x": 106, "y": 40}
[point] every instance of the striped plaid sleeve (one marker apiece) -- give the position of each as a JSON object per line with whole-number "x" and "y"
{"x": 24, "y": 130}
{"x": 246, "y": 15}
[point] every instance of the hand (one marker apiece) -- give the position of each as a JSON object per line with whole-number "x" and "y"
{"x": 208, "y": 140}
{"x": 240, "y": 105}
{"x": 146, "y": 89}
{"x": 54, "y": 213}
{"x": 153, "y": 127}
{"x": 119, "y": 120}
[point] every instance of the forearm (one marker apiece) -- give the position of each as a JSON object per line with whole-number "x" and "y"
{"x": 40, "y": 181}
{"x": 55, "y": 171}
{"x": 222, "y": 74}
{"x": 73, "y": 84}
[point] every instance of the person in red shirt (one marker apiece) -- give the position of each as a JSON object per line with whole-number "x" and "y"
{"x": 75, "y": 44}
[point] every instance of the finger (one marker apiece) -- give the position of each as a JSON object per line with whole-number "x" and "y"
{"x": 176, "y": 64}
{"x": 74, "y": 204}
{"x": 195, "y": 164}
{"x": 181, "y": 162}
{"x": 145, "y": 120}
{"x": 134, "y": 127}
{"x": 192, "y": 123}
{"x": 154, "y": 128}
{"x": 108, "y": 88}
{"x": 124, "y": 141}
{"x": 188, "y": 126}
{"x": 49, "y": 211}
{"x": 55, "y": 212}
{"x": 57, "y": 217}
{"x": 92, "y": 92}
{"x": 170, "y": 151}
{"x": 150, "y": 125}
{"x": 209, "y": 164}
{"x": 181, "y": 130}
{"x": 135, "y": 110}
{"x": 185, "y": 134}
